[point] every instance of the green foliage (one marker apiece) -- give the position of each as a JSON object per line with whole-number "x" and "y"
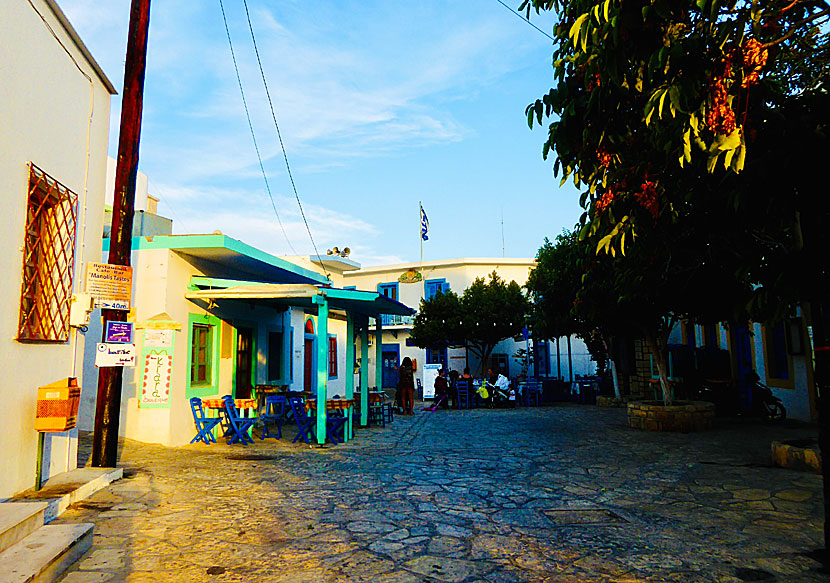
{"x": 647, "y": 90}
{"x": 485, "y": 314}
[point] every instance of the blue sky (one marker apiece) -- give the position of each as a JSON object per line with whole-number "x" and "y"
{"x": 381, "y": 104}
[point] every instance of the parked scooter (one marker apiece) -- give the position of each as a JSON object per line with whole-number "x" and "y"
{"x": 763, "y": 403}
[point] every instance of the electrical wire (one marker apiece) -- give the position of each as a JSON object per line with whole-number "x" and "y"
{"x": 279, "y": 135}
{"x": 251, "y": 127}
{"x": 525, "y": 19}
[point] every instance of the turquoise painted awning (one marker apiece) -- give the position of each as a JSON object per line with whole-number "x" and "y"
{"x": 300, "y": 295}
{"x": 221, "y": 256}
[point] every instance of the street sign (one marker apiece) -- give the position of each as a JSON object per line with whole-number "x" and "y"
{"x": 110, "y": 285}
{"x": 115, "y": 354}
{"x": 119, "y": 332}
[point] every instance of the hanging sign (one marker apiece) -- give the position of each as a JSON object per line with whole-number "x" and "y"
{"x": 115, "y": 354}
{"x": 110, "y": 285}
{"x": 119, "y": 332}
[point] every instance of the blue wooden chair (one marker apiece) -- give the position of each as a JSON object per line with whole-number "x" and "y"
{"x": 274, "y": 411}
{"x": 204, "y": 425}
{"x": 336, "y": 426}
{"x": 304, "y": 421}
{"x": 238, "y": 426}
{"x": 463, "y": 388}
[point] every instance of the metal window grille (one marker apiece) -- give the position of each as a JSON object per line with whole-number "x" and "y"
{"x": 48, "y": 260}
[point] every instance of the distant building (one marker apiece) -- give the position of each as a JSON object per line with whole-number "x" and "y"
{"x": 410, "y": 282}
{"x": 54, "y": 127}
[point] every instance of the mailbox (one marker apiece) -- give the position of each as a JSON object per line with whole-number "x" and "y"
{"x": 57, "y": 406}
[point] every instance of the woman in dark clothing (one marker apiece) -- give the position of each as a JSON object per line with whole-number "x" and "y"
{"x": 406, "y": 384}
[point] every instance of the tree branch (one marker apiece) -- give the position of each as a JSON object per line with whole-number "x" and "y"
{"x": 795, "y": 28}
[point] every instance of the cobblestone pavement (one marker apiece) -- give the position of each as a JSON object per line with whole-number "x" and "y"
{"x": 565, "y": 493}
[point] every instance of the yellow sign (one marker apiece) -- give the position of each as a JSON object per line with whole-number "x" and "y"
{"x": 411, "y": 276}
{"x": 110, "y": 285}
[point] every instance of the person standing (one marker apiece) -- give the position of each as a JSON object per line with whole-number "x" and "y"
{"x": 441, "y": 388}
{"x": 406, "y": 384}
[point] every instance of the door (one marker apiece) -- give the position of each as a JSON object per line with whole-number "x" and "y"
{"x": 244, "y": 362}
{"x": 308, "y": 361}
{"x": 742, "y": 346}
{"x": 389, "y": 373}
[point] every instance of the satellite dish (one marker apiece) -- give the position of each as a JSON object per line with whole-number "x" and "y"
{"x": 346, "y": 251}
{"x": 336, "y": 251}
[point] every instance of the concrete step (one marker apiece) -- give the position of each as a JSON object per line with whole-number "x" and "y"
{"x": 70, "y": 487}
{"x": 44, "y": 555}
{"x": 18, "y": 520}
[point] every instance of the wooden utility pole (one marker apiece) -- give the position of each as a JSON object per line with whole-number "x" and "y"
{"x": 108, "y": 405}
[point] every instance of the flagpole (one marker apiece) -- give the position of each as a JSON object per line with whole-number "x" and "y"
{"x": 421, "y": 237}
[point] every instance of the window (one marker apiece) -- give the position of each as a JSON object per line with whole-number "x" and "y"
{"x": 390, "y": 290}
{"x": 332, "y": 356}
{"x": 48, "y": 260}
{"x": 498, "y": 362}
{"x": 777, "y": 359}
{"x": 275, "y": 352}
{"x": 433, "y": 286}
{"x": 291, "y": 357}
{"x": 201, "y": 355}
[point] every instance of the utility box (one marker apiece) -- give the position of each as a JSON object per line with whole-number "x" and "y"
{"x": 57, "y": 406}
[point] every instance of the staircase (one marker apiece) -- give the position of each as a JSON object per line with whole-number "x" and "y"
{"x": 33, "y": 551}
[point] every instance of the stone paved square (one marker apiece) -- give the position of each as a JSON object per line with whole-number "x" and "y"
{"x": 563, "y": 493}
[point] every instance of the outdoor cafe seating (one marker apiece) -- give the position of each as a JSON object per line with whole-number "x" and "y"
{"x": 238, "y": 427}
{"x": 204, "y": 425}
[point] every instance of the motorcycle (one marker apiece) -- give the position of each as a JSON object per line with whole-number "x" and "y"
{"x": 762, "y": 404}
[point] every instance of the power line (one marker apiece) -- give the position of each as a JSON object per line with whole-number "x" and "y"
{"x": 251, "y": 126}
{"x": 279, "y": 135}
{"x": 525, "y": 19}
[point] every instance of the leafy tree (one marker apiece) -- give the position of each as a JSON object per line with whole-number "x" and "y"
{"x": 647, "y": 88}
{"x": 484, "y": 315}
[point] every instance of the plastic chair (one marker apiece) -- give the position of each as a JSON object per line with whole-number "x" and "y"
{"x": 463, "y": 388}
{"x": 274, "y": 411}
{"x": 238, "y": 427}
{"x": 204, "y": 425}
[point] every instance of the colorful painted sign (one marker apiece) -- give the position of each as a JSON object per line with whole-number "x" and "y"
{"x": 410, "y": 276}
{"x": 157, "y": 372}
{"x": 155, "y": 385}
{"x": 115, "y": 354}
{"x": 110, "y": 285}
{"x": 118, "y": 332}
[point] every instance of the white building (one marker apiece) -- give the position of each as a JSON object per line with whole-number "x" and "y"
{"x": 54, "y": 125}
{"x": 404, "y": 283}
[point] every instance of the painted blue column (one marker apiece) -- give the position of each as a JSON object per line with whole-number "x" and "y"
{"x": 349, "y": 372}
{"x": 322, "y": 364}
{"x": 378, "y": 352}
{"x": 364, "y": 373}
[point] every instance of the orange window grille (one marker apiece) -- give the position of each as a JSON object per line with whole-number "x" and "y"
{"x": 48, "y": 260}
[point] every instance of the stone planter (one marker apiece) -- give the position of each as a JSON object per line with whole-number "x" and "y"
{"x": 607, "y": 401}
{"x": 683, "y": 416}
{"x": 797, "y": 454}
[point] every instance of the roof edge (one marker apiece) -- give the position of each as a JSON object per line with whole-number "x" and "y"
{"x": 529, "y": 261}
{"x": 76, "y": 39}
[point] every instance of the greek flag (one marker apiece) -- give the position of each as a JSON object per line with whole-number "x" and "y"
{"x": 424, "y": 225}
